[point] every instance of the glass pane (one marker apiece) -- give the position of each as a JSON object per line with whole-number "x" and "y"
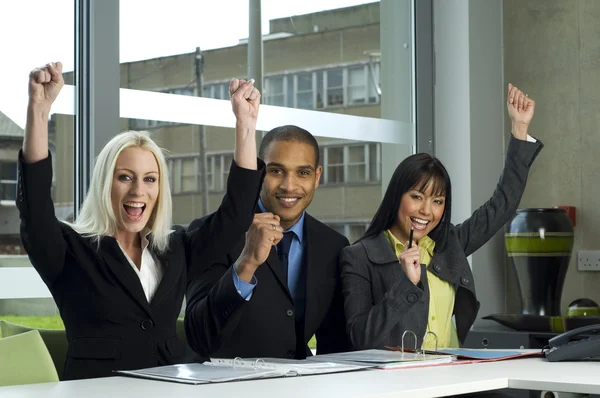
{"x": 356, "y": 173}
{"x": 320, "y": 88}
{"x": 23, "y": 51}
{"x": 356, "y": 154}
{"x": 305, "y": 100}
{"x": 374, "y": 163}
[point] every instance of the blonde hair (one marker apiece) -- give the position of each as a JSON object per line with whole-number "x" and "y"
{"x": 97, "y": 218}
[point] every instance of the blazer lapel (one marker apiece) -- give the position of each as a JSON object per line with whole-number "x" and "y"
{"x": 118, "y": 264}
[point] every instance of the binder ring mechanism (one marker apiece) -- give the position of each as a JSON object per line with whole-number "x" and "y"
{"x": 239, "y": 362}
{"x": 416, "y": 350}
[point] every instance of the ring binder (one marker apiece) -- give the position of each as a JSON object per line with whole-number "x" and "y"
{"x": 236, "y": 361}
{"x": 258, "y": 362}
{"x": 436, "y": 342}
{"x": 413, "y": 333}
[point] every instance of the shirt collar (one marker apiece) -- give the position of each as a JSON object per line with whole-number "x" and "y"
{"x": 297, "y": 229}
{"x": 425, "y": 243}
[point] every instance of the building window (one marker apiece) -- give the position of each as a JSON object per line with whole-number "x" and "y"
{"x": 274, "y": 92}
{"x": 334, "y": 165}
{"x": 357, "y": 85}
{"x": 188, "y": 175}
{"x": 304, "y": 90}
{"x": 351, "y": 163}
{"x": 318, "y": 89}
{"x": 8, "y": 180}
{"x": 335, "y": 87}
{"x": 216, "y": 90}
{"x": 374, "y": 83}
{"x": 185, "y": 177}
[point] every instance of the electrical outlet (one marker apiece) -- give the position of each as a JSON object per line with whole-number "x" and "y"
{"x": 588, "y": 260}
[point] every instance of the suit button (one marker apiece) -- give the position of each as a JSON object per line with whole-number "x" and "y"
{"x": 464, "y": 280}
{"x": 291, "y": 354}
{"x": 412, "y": 298}
{"x": 289, "y": 313}
{"x": 147, "y": 324}
{"x": 437, "y": 268}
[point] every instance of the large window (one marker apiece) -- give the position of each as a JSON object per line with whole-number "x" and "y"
{"x": 27, "y": 48}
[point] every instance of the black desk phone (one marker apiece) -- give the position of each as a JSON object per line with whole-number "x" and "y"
{"x": 576, "y": 344}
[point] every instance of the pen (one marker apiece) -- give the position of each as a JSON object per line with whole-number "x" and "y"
{"x": 410, "y": 237}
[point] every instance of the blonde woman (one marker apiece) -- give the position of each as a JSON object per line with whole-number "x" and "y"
{"x": 118, "y": 273}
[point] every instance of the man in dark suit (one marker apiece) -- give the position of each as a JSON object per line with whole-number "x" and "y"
{"x": 281, "y": 285}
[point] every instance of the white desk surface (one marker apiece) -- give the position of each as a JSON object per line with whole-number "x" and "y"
{"x": 438, "y": 381}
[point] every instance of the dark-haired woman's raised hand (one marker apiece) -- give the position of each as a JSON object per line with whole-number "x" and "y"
{"x": 520, "y": 109}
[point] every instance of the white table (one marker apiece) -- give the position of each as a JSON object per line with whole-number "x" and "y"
{"x": 437, "y": 381}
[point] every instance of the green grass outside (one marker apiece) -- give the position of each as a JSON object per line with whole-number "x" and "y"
{"x": 54, "y": 322}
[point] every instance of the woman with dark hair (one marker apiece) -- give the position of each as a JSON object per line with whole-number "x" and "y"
{"x": 410, "y": 271}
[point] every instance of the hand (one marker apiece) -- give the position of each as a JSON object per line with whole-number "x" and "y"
{"x": 45, "y": 83}
{"x": 264, "y": 233}
{"x": 410, "y": 259}
{"x": 245, "y": 100}
{"x": 521, "y": 109}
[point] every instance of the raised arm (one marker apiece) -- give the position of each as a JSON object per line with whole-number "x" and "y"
{"x": 521, "y": 152}
{"x": 44, "y": 85}
{"x": 40, "y": 230}
{"x": 245, "y": 101}
{"x": 230, "y": 222}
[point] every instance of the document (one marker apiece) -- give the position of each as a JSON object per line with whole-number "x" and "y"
{"x": 386, "y": 359}
{"x": 221, "y": 370}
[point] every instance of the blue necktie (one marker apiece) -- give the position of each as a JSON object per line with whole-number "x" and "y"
{"x": 283, "y": 251}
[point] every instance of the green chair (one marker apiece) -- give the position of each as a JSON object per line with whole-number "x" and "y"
{"x": 24, "y": 359}
{"x": 55, "y": 340}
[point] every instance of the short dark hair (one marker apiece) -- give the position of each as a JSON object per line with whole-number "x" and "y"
{"x": 418, "y": 172}
{"x": 289, "y": 133}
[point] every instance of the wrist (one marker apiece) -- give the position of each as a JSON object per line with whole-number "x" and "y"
{"x": 245, "y": 270}
{"x": 38, "y": 109}
{"x": 519, "y": 130}
{"x": 247, "y": 125}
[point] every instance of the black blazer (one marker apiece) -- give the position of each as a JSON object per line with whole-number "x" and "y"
{"x": 220, "y": 323}
{"x": 381, "y": 302}
{"x": 109, "y": 323}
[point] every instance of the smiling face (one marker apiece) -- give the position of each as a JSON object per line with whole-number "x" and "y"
{"x": 420, "y": 209}
{"x": 291, "y": 180}
{"x": 134, "y": 189}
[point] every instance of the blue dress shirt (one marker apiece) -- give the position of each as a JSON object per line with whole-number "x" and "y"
{"x": 295, "y": 260}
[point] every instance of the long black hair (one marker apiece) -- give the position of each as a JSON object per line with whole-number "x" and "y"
{"x": 418, "y": 172}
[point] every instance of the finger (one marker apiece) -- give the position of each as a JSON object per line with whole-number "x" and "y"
{"x": 530, "y": 103}
{"x": 41, "y": 76}
{"x": 267, "y": 217}
{"x": 34, "y": 74}
{"x": 255, "y": 94}
{"x": 246, "y": 88}
{"x": 54, "y": 71}
{"x": 521, "y": 101}
{"x": 512, "y": 95}
{"x": 233, "y": 86}
{"x": 508, "y": 97}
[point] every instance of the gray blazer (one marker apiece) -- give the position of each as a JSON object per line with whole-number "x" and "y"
{"x": 380, "y": 301}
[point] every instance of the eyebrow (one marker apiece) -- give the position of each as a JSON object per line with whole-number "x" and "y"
{"x": 133, "y": 172}
{"x": 433, "y": 196}
{"x": 274, "y": 164}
